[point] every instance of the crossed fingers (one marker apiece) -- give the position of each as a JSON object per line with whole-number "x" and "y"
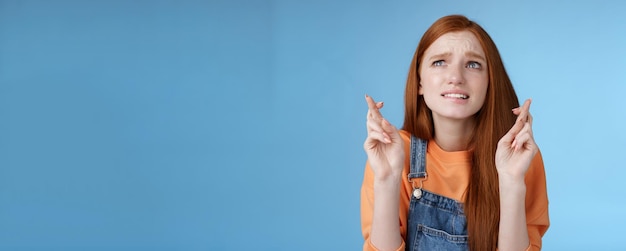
{"x": 522, "y": 129}
{"x": 375, "y": 121}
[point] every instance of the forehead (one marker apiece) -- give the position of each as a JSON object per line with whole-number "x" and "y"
{"x": 455, "y": 42}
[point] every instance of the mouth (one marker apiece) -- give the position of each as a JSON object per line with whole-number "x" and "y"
{"x": 455, "y": 95}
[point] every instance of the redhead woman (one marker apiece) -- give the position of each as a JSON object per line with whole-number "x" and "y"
{"x": 463, "y": 172}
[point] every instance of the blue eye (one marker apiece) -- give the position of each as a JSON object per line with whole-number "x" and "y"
{"x": 438, "y": 63}
{"x": 474, "y": 65}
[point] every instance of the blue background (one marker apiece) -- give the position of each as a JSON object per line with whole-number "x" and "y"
{"x": 236, "y": 125}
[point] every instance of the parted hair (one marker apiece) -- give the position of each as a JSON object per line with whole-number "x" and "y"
{"x": 493, "y": 120}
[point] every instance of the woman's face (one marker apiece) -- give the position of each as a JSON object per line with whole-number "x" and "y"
{"x": 454, "y": 76}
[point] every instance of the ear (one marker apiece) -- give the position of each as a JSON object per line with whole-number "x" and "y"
{"x": 420, "y": 89}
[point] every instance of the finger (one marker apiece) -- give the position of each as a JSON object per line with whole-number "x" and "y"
{"x": 523, "y": 136}
{"x": 525, "y": 141}
{"x": 508, "y": 140}
{"x": 376, "y": 137}
{"x": 381, "y": 127}
{"x": 373, "y": 109}
{"x": 516, "y": 111}
{"x": 518, "y": 141}
{"x": 523, "y": 117}
{"x": 374, "y": 126}
{"x": 521, "y": 142}
{"x": 391, "y": 131}
{"x": 528, "y": 128}
{"x": 386, "y": 138}
{"x": 524, "y": 110}
{"x": 380, "y": 104}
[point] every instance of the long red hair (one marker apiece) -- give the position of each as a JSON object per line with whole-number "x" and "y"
{"x": 493, "y": 120}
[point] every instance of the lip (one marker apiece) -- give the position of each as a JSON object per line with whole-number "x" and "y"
{"x": 455, "y": 92}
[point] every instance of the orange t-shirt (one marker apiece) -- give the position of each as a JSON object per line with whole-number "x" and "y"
{"x": 448, "y": 175}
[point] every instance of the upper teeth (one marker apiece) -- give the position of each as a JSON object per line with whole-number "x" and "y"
{"x": 456, "y": 95}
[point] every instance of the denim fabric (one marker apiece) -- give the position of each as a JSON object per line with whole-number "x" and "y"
{"x": 435, "y": 222}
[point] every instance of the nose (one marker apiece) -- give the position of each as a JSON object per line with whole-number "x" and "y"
{"x": 456, "y": 75}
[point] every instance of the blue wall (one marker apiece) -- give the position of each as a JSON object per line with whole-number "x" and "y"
{"x": 231, "y": 125}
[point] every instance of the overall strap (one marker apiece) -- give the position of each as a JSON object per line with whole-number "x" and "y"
{"x": 418, "y": 158}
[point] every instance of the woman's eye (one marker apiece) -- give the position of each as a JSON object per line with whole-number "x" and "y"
{"x": 473, "y": 65}
{"x": 438, "y": 63}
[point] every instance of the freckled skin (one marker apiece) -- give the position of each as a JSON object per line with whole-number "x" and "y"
{"x": 455, "y": 63}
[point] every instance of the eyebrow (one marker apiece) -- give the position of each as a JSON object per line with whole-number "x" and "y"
{"x": 440, "y": 55}
{"x": 475, "y": 55}
{"x": 471, "y": 54}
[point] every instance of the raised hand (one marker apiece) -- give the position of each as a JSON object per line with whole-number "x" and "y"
{"x": 517, "y": 147}
{"x": 383, "y": 145}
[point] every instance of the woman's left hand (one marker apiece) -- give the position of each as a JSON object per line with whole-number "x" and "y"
{"x": 517, "y": 147}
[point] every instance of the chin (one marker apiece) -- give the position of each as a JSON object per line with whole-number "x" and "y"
{"x": 456, "y": 115}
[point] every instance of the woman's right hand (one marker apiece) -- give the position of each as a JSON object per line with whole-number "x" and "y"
{"x": 383, "y": 145}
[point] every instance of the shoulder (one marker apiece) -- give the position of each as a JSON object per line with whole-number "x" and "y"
{"x": 536, "y": 165}
{"x": 406, "y": 136}
{"x": 536, "y": 174}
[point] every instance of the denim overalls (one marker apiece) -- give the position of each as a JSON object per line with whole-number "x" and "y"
{"x": 434, "y": 222}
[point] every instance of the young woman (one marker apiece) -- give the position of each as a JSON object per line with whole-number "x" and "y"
{"x": 464, "y": 172}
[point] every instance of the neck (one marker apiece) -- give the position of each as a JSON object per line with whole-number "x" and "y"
{"x": 453, "y": 135}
